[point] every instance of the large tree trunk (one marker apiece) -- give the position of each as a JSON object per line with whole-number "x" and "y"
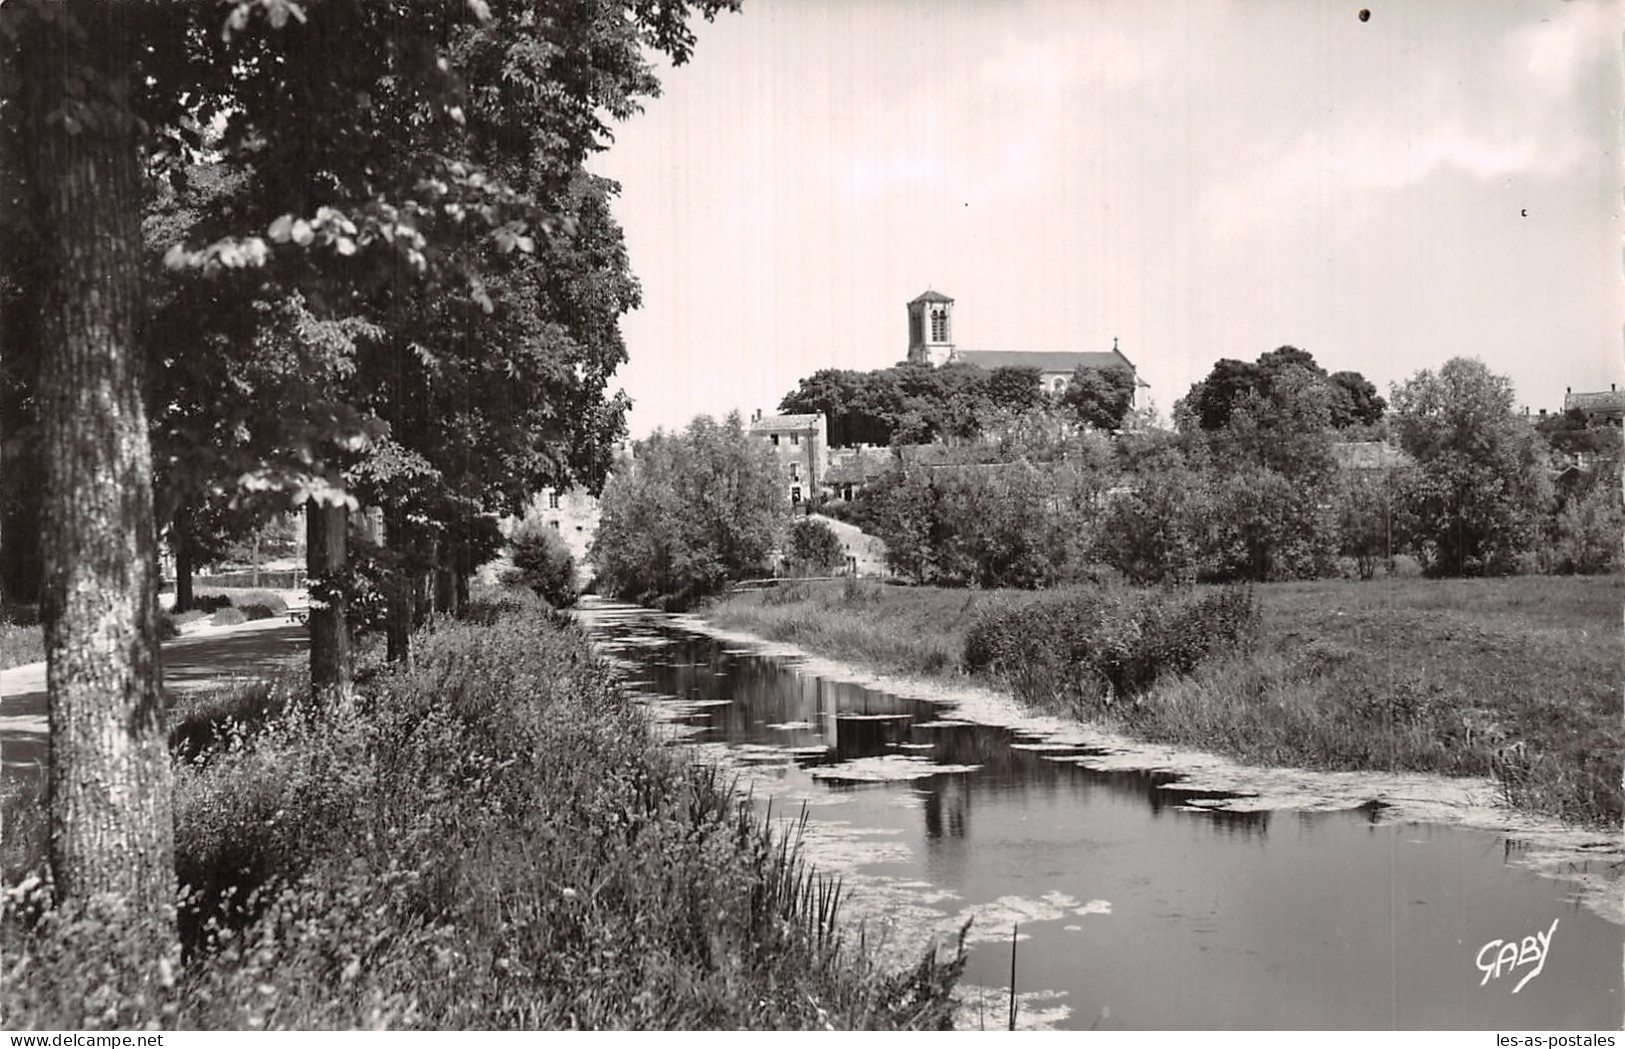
{"x": 331, "y": 662}
{"x": 112, "y": 830}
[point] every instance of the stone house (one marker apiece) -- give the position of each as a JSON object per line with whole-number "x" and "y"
{"x": 801, "y": 444}
{"x": 573, "y": 512}
{"x": 1602, "y": 406}
{"x": 852, "y": 468}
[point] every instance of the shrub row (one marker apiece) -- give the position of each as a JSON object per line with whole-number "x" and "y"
{"x": 1083, "y": 649}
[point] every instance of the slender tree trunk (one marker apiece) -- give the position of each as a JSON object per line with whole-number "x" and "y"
{"x": 445, "y": 591}
{"x": 331, "y": 662}
{"x": 462, "y": 594}
{"x": 400, "y": 592}
{"x": 111, "y": 822}
{"x": 183, "y": 561}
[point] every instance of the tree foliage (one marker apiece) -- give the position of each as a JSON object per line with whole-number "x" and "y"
{"x": 381, "y": 270}
{"x": 1099, "y": 397}
{"x": 689, "y": 511}
{"x": 915, "y": 403}
{"x": 1351, "y": 399}
{"x": 543, "y": 562}
{"x": 1475, "y": 497}
{"x": 813, "y": 547}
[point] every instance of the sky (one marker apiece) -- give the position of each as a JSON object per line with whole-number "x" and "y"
{"x": 1196, "y": 180}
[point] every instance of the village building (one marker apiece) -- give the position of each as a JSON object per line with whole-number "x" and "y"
{"x": 931, "y": 341}
{"x": 1599, "y": 407}
{"x": 852, "y": 468}
{"x": 801, "y": 444}
{"x": 572, "y": 512}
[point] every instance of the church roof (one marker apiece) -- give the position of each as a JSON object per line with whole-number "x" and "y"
{"x": 1062, "y": 361}
{"x": 930, "y": 296}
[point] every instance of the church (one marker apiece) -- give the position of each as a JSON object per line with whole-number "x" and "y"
{"x": 931, "y": 341}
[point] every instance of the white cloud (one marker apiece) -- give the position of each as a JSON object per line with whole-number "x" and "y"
{"x": 1507, "y": 114}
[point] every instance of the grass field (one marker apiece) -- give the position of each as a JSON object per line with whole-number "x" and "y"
{"x": 1517, "y": 678}
{"x": 20, "y": 643}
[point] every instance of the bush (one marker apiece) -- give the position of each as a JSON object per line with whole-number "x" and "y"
{"x": 230, "y": 617}
{"x": 814, "y": 548}
{"x": 543, "y": 562}
{"x": 1586, "y": 534}
{"x": 259, "y": 611}
{"x": 493, "y": 839}
{"x": 210, "y": 599}
{"x": 1085, "y": 649}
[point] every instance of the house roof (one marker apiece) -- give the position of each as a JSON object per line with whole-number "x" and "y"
{"x": 1045, "y": 361}
{"x": 930, "y": 296}
{"x": 786, "y": 422}
{"x": 1600, "y": 401}
{"x": 858, "y": 466}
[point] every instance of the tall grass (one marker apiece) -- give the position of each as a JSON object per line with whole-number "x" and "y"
{"x": 1511, "y": 678}
{"x": 495, "y": 839}
{"x": 21, "y": 643}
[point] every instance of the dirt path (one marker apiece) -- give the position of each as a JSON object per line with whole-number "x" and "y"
{"x": 210, "y": 657}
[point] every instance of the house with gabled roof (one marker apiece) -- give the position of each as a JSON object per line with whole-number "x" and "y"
{"x": 801, "y": 444}
{"x": 1601, "y": 406}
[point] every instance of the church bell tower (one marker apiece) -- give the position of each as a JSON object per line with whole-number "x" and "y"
{"x": 930, "y": 329}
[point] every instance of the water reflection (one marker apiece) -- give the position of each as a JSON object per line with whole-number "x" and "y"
{"x": 1135, "y": 895}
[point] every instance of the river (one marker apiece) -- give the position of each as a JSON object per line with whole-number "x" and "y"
{"x": 1137, "y": 905}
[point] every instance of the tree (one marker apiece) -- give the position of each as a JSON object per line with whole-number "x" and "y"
{"x": 1475, "y": 497}
{"x": 688, "y": 512}
{"x": 1015, "y": 391}
{"x": 1365, "y": 523}
{"x": 543, "y": 562}
{"x": 814, "y": 547}
{"x": 1355, "y": 401}
{"x": 1586, "y": 532}
{"x": 1210, "y": 402}
{"x": 1152, "y": 530}
{"x": 111, "y": 821}
{"x": 1099, "y": 397}
{"x": 347, "y": 119}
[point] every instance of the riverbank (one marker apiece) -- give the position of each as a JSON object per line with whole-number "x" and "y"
{"x": 1508, "y": 661}
{"x": 493, "y": 839}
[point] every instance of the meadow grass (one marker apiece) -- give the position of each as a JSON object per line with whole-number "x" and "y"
{"x": 1515, "y": 678}
{"x": 20, "y": 643}
{"x": 493, "y": 839}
